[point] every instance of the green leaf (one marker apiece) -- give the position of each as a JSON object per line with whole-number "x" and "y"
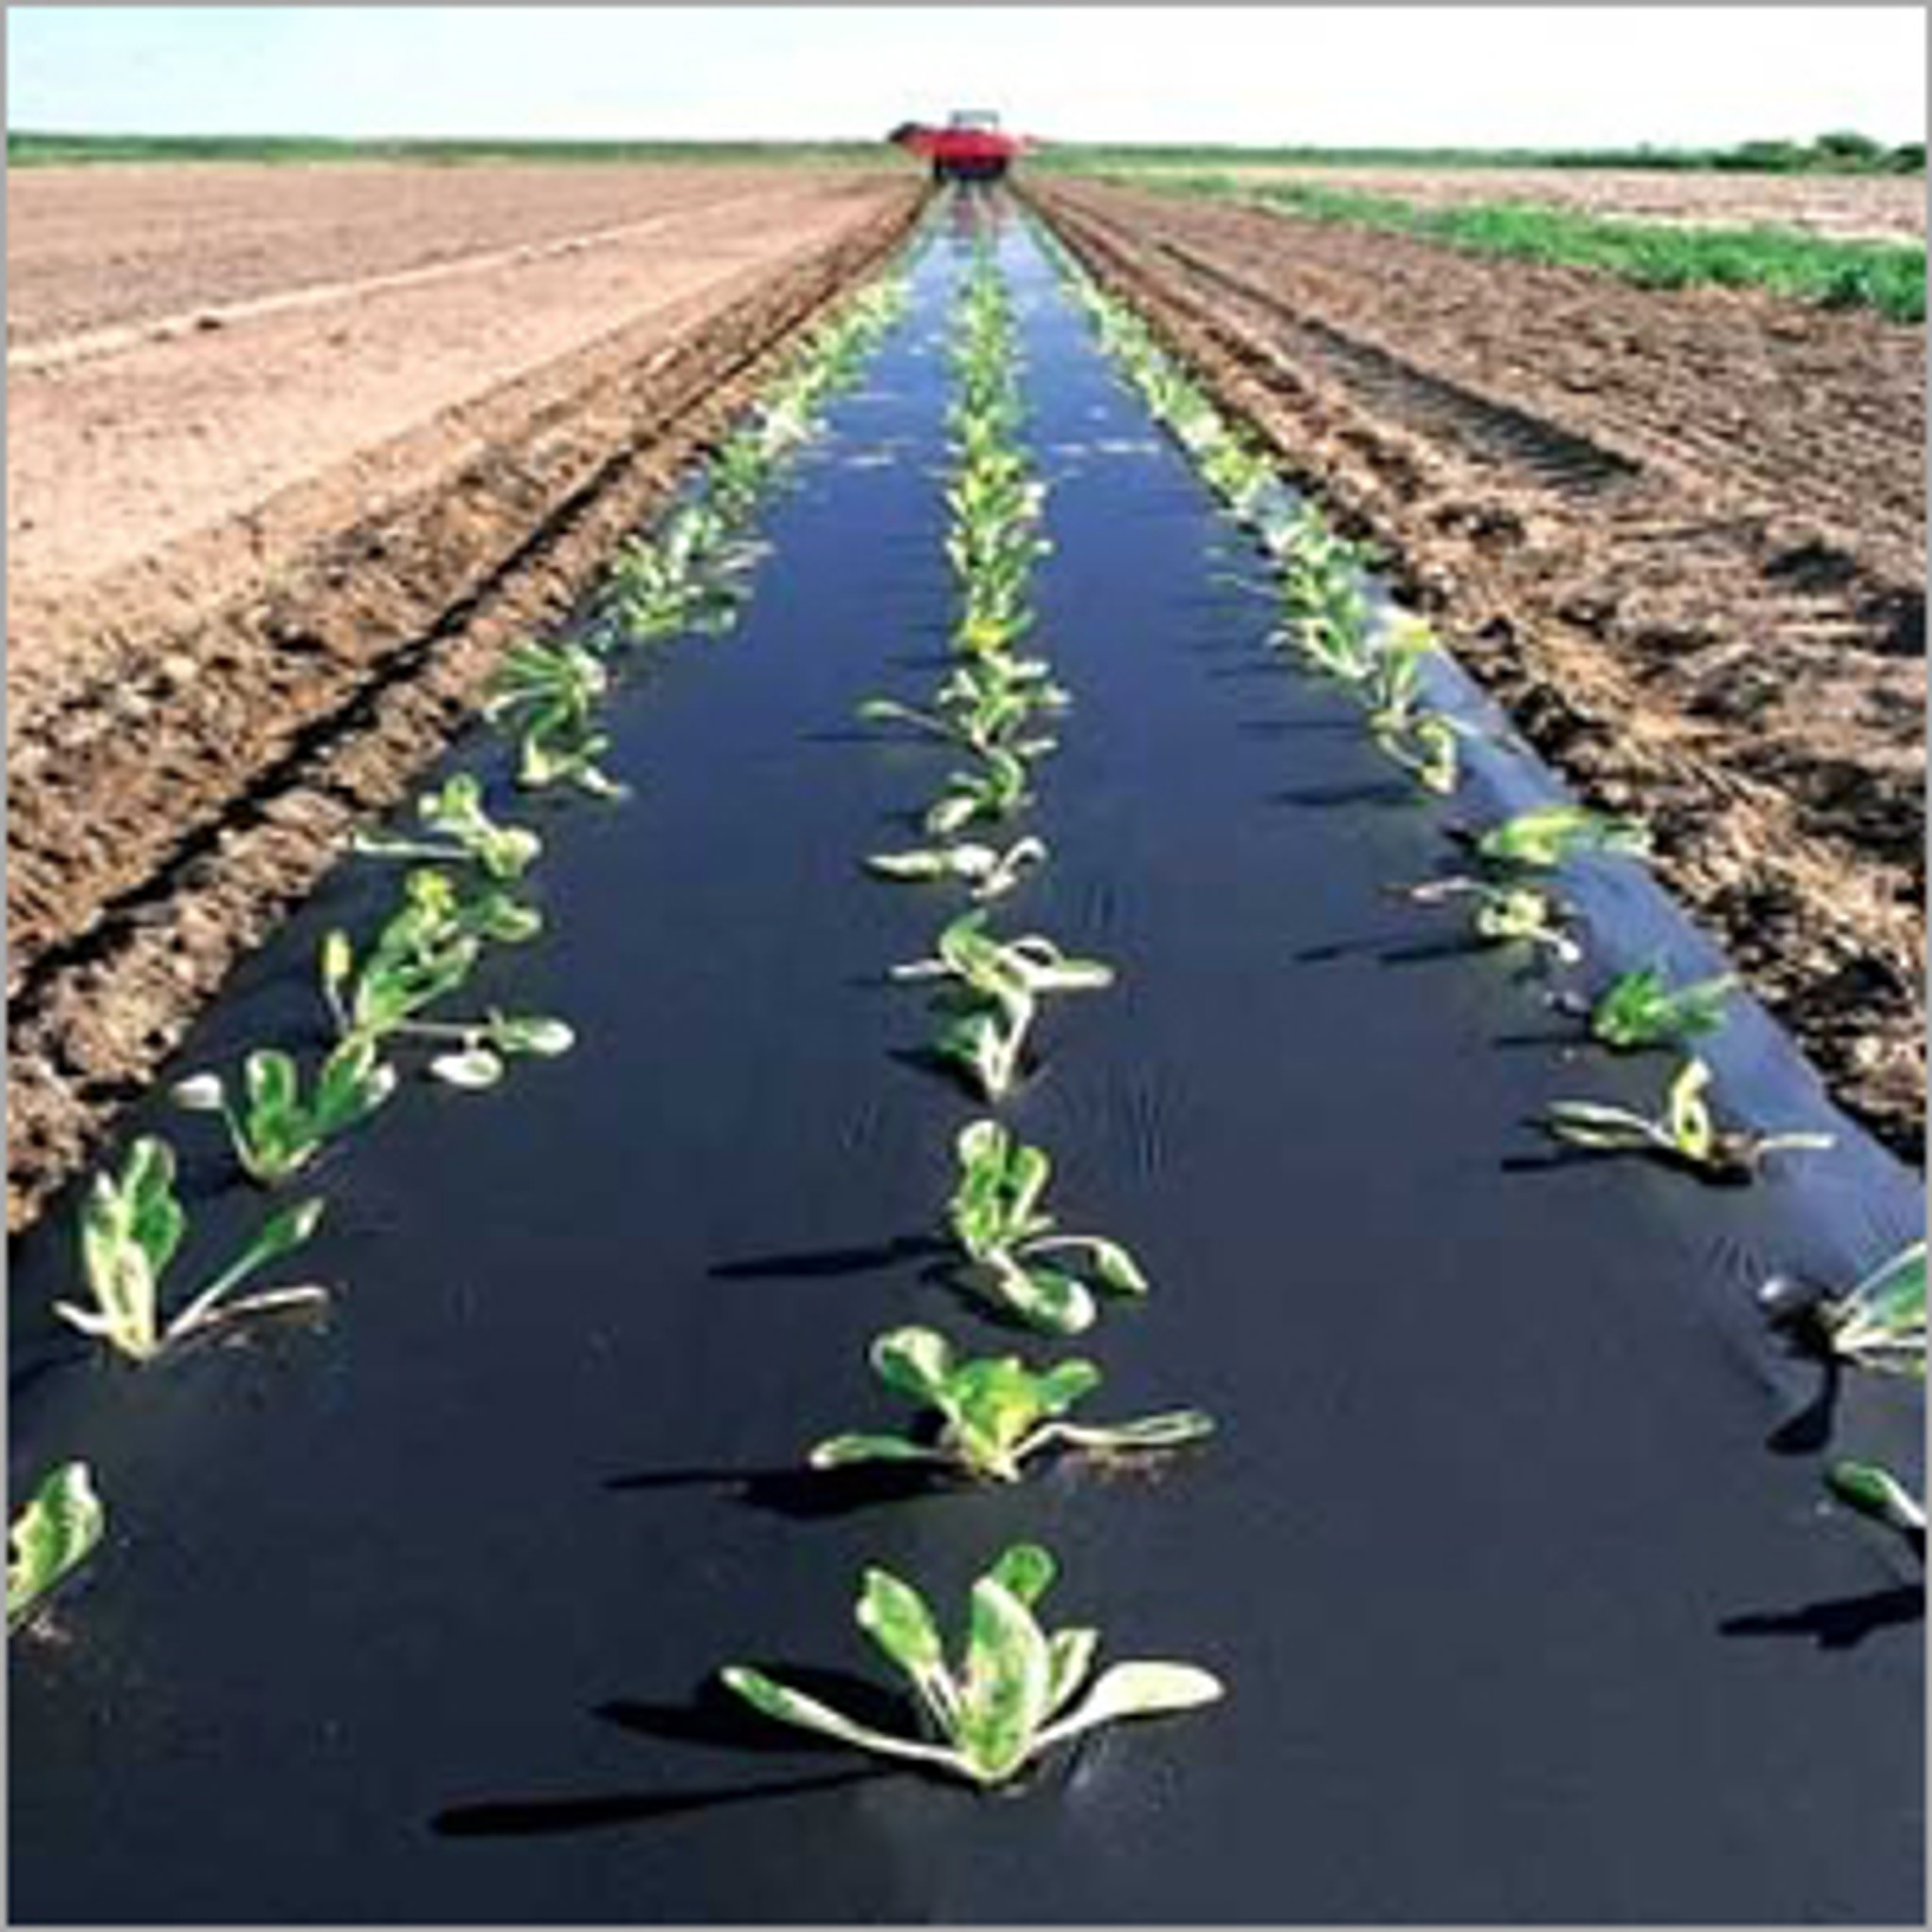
{"x": 1071, "y": 1652}
{"x": 912, "y": 865}
{"x": 1116, "y": 1268}
{"x": 200, "y": 1093}
{"x": 1007, "y": 1691}
{"x": 279, "y": 1234}
{"x": 794, "y": 1708}
{"x": 895, "y": 1617}
{"x": 338, "y": 958}
{"x": 56, "y": 1532}
{"x": 1047, "y": 1297}
{"x": 1138, "y": 1690}
{"x": 1064, "y": 1384}
{"x": 272, "y": 1087}
{"x": 473, "y": 1067}
{"x": 1168, "y": 1430}
{"x": 351, "y": 1085}
{"x": 913, "y": 1361}
{"x": 993, "y": 1402}
{"x": 154, "y": 1216}
{"x": 1878, "y": 1493}
{"x": 533, "y": 1034}
{"x": 839, "y": 1452}
{"x": 1028, "y": 1570}
{"x": 1689, "y": 1117}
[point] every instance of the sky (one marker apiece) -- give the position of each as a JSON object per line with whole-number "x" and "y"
{"x": 1495, "y": 77}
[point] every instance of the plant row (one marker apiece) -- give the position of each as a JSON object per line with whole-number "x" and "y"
{"x": 1508, "y": 873}
{"x": 390, "y": 997}
{"x": 1018, "y": 1692}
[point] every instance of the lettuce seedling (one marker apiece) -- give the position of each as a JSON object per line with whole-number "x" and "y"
{"x": 996, "y": 791}
{"x": 277, "y": 1133}
{"x": 1684, "y": 1132}
{"x": 1640, "y": 1009}
{"x": 1429, "y": 748}
{"x": 995, "y": 1411}
{"x": 989, "y": 872}
{"x": 130, "y": 1228}
{"x": 1874, "y": 1492}
{"x": 553, "y": 691}
{"x": 1508, "y": 914}
{"x": 690, "y": 578}
{"x": 1548, "y": 836}
{"x": 996, "y": 1217}
{"x": 1014, "y": 1696}
{"x": 1238, "y": 474}
{"x": 470, "y": 834}
{"x": 1328, "y": 620}
{"x": 978, "y": 714}
{"x": 50, "y": 1539}
{"x": 1878, "y": 1325}
{"x": 427, "y": 947}
{"x": 993, "y": 995}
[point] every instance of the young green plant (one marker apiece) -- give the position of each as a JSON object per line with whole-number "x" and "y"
{"x": 552, "y": 692}
{"x": 995, "y": 1412}
{"x": 1016, "y": 1694}
{"x": 427, "y": 950}
{"x": 1878, "y": 1323}
{"x": 51, "y": 1537}
{"x": 1684, "y": 1132}
{"x": 469, "y": 834}
{"x": 131, "y": 1225}
{"x": 987, "y": 871}
{"x": 1507, "y": 914}
{"x": 1641, "y": 1008}
{"x": 997, "y": 1217}
{"x": 990, "y": 995}
{"x": 276, "y": 1132}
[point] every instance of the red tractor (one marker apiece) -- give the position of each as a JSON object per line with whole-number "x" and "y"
{"x": 970, "y": 148}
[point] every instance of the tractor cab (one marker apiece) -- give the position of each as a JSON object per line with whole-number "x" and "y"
{"x": 970, "y": 148}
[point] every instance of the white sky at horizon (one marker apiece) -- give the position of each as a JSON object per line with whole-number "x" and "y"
{"x": 1497, "y": 76}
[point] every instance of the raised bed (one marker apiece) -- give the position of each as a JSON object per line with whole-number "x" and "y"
{"x": 1510, "y": 1551}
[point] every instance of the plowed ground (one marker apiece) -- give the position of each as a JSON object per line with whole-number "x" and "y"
{"x": 293, "y": 453}
{"x": 1681, "y": 536}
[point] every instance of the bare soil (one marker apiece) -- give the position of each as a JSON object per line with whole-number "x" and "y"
{"x": 1681, "y": 536}
{"x": 1845, "y": 208}
{"x": 261, "y": 571}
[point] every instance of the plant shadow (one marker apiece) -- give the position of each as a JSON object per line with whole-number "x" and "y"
{"x": 1835, "y": 1622}
{"x": 1377, "y": 792}
{"x": 1808, "y": 1430}
{"x": 548, "y": 1817}
{"x": 798, "y": 1493}
{"x": 712, "y": 1716}
{"x": 830, "y": 1263}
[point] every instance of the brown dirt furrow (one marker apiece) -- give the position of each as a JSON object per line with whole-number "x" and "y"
{"x": 1717, "y": 659}
{"x": 191, "y": 779}
{"x": 1730, "y": 391}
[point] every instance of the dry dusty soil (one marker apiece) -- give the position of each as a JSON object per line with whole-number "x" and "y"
{"x": 1680, "y": 536}
{"x": 1878, "y": 208}
{"x": 294, "y": 453}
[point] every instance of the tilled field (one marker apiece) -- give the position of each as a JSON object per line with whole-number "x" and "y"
{"x": 259, "y": 566}
{"x": 1680, "y": 536}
